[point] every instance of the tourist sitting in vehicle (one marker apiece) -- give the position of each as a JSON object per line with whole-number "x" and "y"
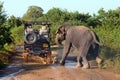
{"x": 28, "y": 29}
{"x": 43, "y": 31}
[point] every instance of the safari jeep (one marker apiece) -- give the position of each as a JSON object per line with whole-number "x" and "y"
{"x": 37, "y": 42}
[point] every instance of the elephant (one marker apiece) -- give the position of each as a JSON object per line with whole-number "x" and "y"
{"x": 80, "y": 37}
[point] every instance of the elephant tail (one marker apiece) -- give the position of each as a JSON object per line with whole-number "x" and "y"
{"x": 95, "y": 38}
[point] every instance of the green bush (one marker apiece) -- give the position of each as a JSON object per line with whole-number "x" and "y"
{"x": 53, "y": 28}
{"x": 18, "y": 35}
{"x": 4, "y": 58}
{"x": 112, "y": 64}
{"x": 9, "y": 47}
{"x": 110, "y": 52}
{"x": 4, "y": 55}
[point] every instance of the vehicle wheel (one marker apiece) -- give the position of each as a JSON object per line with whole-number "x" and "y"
{"x": 30, "y": 38}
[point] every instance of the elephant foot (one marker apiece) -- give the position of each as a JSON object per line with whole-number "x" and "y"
{"x": 77, "y": 65}
{"x": 86, "y": 66}
{"x": 99, "y": 60}
{"x": 62, "y": 62}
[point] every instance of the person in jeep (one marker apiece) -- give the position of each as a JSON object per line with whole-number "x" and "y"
{"x": 28, "y": 29}
{"x": 43, "y": 30}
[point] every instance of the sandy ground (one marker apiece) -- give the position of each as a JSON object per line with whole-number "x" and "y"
{"x": 18, "y": 70}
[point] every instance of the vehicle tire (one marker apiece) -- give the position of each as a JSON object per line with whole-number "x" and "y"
{"x": 28, "y": 40}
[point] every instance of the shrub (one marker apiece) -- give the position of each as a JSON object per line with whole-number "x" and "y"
{"x": 53, "y": 27}
{"x": 110, "y": 52}
{"x": 17, "y": 35}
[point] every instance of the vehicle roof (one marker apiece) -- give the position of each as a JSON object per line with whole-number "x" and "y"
{"x": 37, "y": 23}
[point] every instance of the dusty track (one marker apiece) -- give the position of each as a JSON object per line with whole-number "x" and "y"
{"x": 34, "y": 71}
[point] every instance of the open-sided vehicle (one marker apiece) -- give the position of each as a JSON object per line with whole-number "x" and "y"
{"x": 37, "y": 41}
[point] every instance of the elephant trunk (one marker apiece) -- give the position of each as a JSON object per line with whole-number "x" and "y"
{"x": 57, "y": 40}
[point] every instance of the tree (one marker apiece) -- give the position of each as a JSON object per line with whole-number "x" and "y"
{"x": 93, "y": 21}
{"x": 4, "y": 31}
{"x": 13, "y": 22}
{"x": 109, "y": 18}
{"x": 3, "y": 16}
{"x": 33, "y": 13}
{"x": 54, "y": 15}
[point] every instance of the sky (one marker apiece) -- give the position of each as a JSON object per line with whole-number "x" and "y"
{"x": 19, "y": 7}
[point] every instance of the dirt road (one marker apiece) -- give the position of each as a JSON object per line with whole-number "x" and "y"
{"x": 19, "y": 70}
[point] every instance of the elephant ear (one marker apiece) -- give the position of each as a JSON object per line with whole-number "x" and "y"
{"x": 63, "y": 29}
{"x": 58, "y": 32}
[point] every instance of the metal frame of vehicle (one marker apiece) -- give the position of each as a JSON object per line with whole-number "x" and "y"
{"x": 36, "y": 44}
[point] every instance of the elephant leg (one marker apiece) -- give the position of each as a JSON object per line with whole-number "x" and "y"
{"x": 95, "y": 54}
{"x": 66, "y": 50}
{"x": 83, "y": 53}
{"x": 82, "y": 57}
{"x": 85, "y": 63}
{"x": 98, "y": 60}
{"x": 78, "y": 62}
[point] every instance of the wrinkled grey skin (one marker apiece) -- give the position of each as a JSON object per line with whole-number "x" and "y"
{"x": 81, "y": 38}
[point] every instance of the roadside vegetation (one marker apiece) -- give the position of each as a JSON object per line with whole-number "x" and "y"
{"x": 105, "y": 23}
